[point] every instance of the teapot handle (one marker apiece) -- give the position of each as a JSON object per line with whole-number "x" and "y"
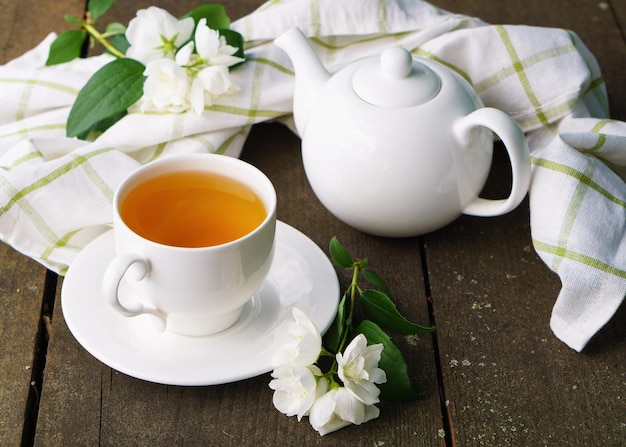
{"x": 517, "y": 147}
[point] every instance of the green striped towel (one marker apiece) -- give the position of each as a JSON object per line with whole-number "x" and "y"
{"x": 55, "y": 192}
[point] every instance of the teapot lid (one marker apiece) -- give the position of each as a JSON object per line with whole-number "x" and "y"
{"x": 397, "y": 80}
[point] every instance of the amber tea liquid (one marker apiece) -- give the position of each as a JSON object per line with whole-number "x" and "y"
{"x": 192, "y": 209}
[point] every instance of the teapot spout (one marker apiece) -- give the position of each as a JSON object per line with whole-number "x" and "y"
{"x": 311, "y": 74}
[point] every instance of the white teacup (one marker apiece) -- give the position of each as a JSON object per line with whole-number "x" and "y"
{"x": 194, "y": 283}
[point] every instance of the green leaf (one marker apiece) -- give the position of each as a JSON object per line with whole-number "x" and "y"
{"x": 113, "y": 29}
{"x": 97, "y": 8}
{"x": 335, "y": 332}
{"x": 234, "y": 39}
{"x": 120, "y": 43}
{"x": 339, "y": 254}
{"x": 71, "y": 19}
{"x": 66, "y": 47}
{"x": 215, "y": 15}
{"x": 375, "y": 280}
{"x": 379, "y": 308}
{"x": 398, "y": 386}
{"x": 98, "y": 128}
{"x": 117, "y": 34}
{"x": 109, "y": 92}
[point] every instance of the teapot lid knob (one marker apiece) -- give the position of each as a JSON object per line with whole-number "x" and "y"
{"x": 397, "y": 80}
{"x": 396, "y": 62}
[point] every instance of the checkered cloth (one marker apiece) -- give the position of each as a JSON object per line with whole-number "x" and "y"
{"x": 55, "y": 192}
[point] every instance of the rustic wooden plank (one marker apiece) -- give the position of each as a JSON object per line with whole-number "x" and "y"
{"x": 22, "y": 283}
{"x": 25, "y": 23}
{"x": 123, "y": 11}
{"x": 71, "y": 375}
{"x": 21, "y": 290}
{"x": 508, "y": 380}
{"x": 618, "y": 8}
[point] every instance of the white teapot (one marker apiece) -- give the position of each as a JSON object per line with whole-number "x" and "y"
{"x": 397, "y": 146}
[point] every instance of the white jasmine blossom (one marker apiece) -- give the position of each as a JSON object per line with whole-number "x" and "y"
{"x": 302, "y": 341}
{"x": 359, "y": 371}
{"x": 154, "y": 34}
{"x": 210, "y": 83}
{"x": 301, "y": 389}
{"x": 166, "y": 87}
{"x": 296, "y": 388}
{"x": 212, "y": 48}
{"x": 181, "y": 74}
{"x": 339, "y": 408}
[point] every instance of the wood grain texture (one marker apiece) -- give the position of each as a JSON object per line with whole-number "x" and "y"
{"x": 493, "y": 374}
{"x": 21, "y": 288}
{"x": 22, "y": 281}
{"x": 25, "y": 23}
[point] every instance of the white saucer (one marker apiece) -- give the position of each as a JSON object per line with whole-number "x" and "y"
{"x": 301, "y": 276}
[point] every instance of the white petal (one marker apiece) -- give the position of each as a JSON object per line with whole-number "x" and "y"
{"x": 207, "y": 40}
{"x": 216, "y": 80}
{"x": 301, "y": 342}
{"x": 196, "y": 97}
{"x": 183, "y": 55}
{"x": 146, "y": 30}
{"x": 364, "y": 391}
{"x": 348, "y": 407}
{"x": 323, "y": 418}
{"x": 166, "y": 87}
{"x": 184, "y": 30}
{"x": 353, "y": 410}
{"x": 295, "y": 390}
{"x": 358, "y": 369}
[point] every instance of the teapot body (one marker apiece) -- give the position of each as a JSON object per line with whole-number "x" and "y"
{"x": 395, "y": 171}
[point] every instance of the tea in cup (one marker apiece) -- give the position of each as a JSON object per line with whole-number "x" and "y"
{"x": 194, "y": 239}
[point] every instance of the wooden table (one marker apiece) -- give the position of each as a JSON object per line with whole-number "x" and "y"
{"x": 493, "y": 373}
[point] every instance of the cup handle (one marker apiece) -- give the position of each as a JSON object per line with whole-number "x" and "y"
{"x": 517, "y": 147}
{"x": 135, "y": 269}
